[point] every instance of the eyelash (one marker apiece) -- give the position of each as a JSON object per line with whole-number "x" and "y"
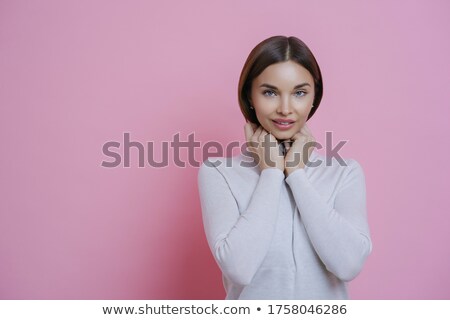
{"x": 271, "y": 91}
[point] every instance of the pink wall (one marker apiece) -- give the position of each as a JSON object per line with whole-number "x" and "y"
{"x": 74, "y": 76}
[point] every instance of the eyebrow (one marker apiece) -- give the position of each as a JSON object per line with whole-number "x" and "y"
{"x": 296, "y": 87}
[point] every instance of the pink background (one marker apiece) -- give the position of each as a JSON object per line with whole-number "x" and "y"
{"x": 74, "y": 75}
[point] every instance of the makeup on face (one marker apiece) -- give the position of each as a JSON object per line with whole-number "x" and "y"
{"x": 282, "y": 97}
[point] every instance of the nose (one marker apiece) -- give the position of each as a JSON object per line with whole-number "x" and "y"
{"x": 284, "y": 107}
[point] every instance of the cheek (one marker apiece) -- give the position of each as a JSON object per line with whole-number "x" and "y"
{"x": 264, "y": 106}
{"x": 303, "y": 107}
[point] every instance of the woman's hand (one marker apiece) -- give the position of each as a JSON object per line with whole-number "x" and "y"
{"x": 299, "y": 152}
{"x": 265, "y": 146}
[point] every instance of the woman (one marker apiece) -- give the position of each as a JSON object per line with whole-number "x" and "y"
{"x": 291, "y": 225}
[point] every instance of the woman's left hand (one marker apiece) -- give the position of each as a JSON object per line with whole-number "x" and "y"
{"x": 299, "y": 152}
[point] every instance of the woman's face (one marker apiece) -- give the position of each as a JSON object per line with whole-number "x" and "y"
{"x": 282, "y": 96}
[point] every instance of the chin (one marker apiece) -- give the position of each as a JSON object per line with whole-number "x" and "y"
{"x": 285, "y": 135}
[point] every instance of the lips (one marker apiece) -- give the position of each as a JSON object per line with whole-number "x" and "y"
{"x": 283, "y": 121}
{"x": 283, "y": 124}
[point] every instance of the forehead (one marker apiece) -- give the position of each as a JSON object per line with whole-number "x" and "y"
{"x": 286, "y": 73}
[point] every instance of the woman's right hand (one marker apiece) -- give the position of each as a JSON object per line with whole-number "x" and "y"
{"x": 269, "y": 153}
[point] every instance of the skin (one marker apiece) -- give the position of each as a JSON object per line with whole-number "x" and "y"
{"x": 287, "y": 102}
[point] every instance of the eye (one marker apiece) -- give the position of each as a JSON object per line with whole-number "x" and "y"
{"x": 300, "y": 93}
{"x": 269, "y": 93}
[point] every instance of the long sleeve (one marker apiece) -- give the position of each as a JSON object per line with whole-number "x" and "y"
{"x": 339, "y": 234}
{"x": 239, "y": 241}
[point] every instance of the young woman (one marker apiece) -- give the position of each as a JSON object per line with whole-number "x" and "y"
{"x": 289, "y": 224}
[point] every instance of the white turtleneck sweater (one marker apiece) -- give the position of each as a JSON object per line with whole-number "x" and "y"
{"x": 275, "y": 237}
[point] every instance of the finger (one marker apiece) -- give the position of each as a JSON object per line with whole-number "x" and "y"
{"x": 306, "y": 130}
{"x": 248, "y": 131}
{"x": 309, "y": 136}
{"x": 255, "y": 136}
{"x": 262, "y": 133}
{"x": 265, "y": 135}
{"x": 259, "y": 133}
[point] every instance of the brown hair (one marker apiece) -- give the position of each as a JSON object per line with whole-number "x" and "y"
{"x": 273, "y": 50}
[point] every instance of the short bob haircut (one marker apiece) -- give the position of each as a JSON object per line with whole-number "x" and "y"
{"x": 273, "y": 50}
